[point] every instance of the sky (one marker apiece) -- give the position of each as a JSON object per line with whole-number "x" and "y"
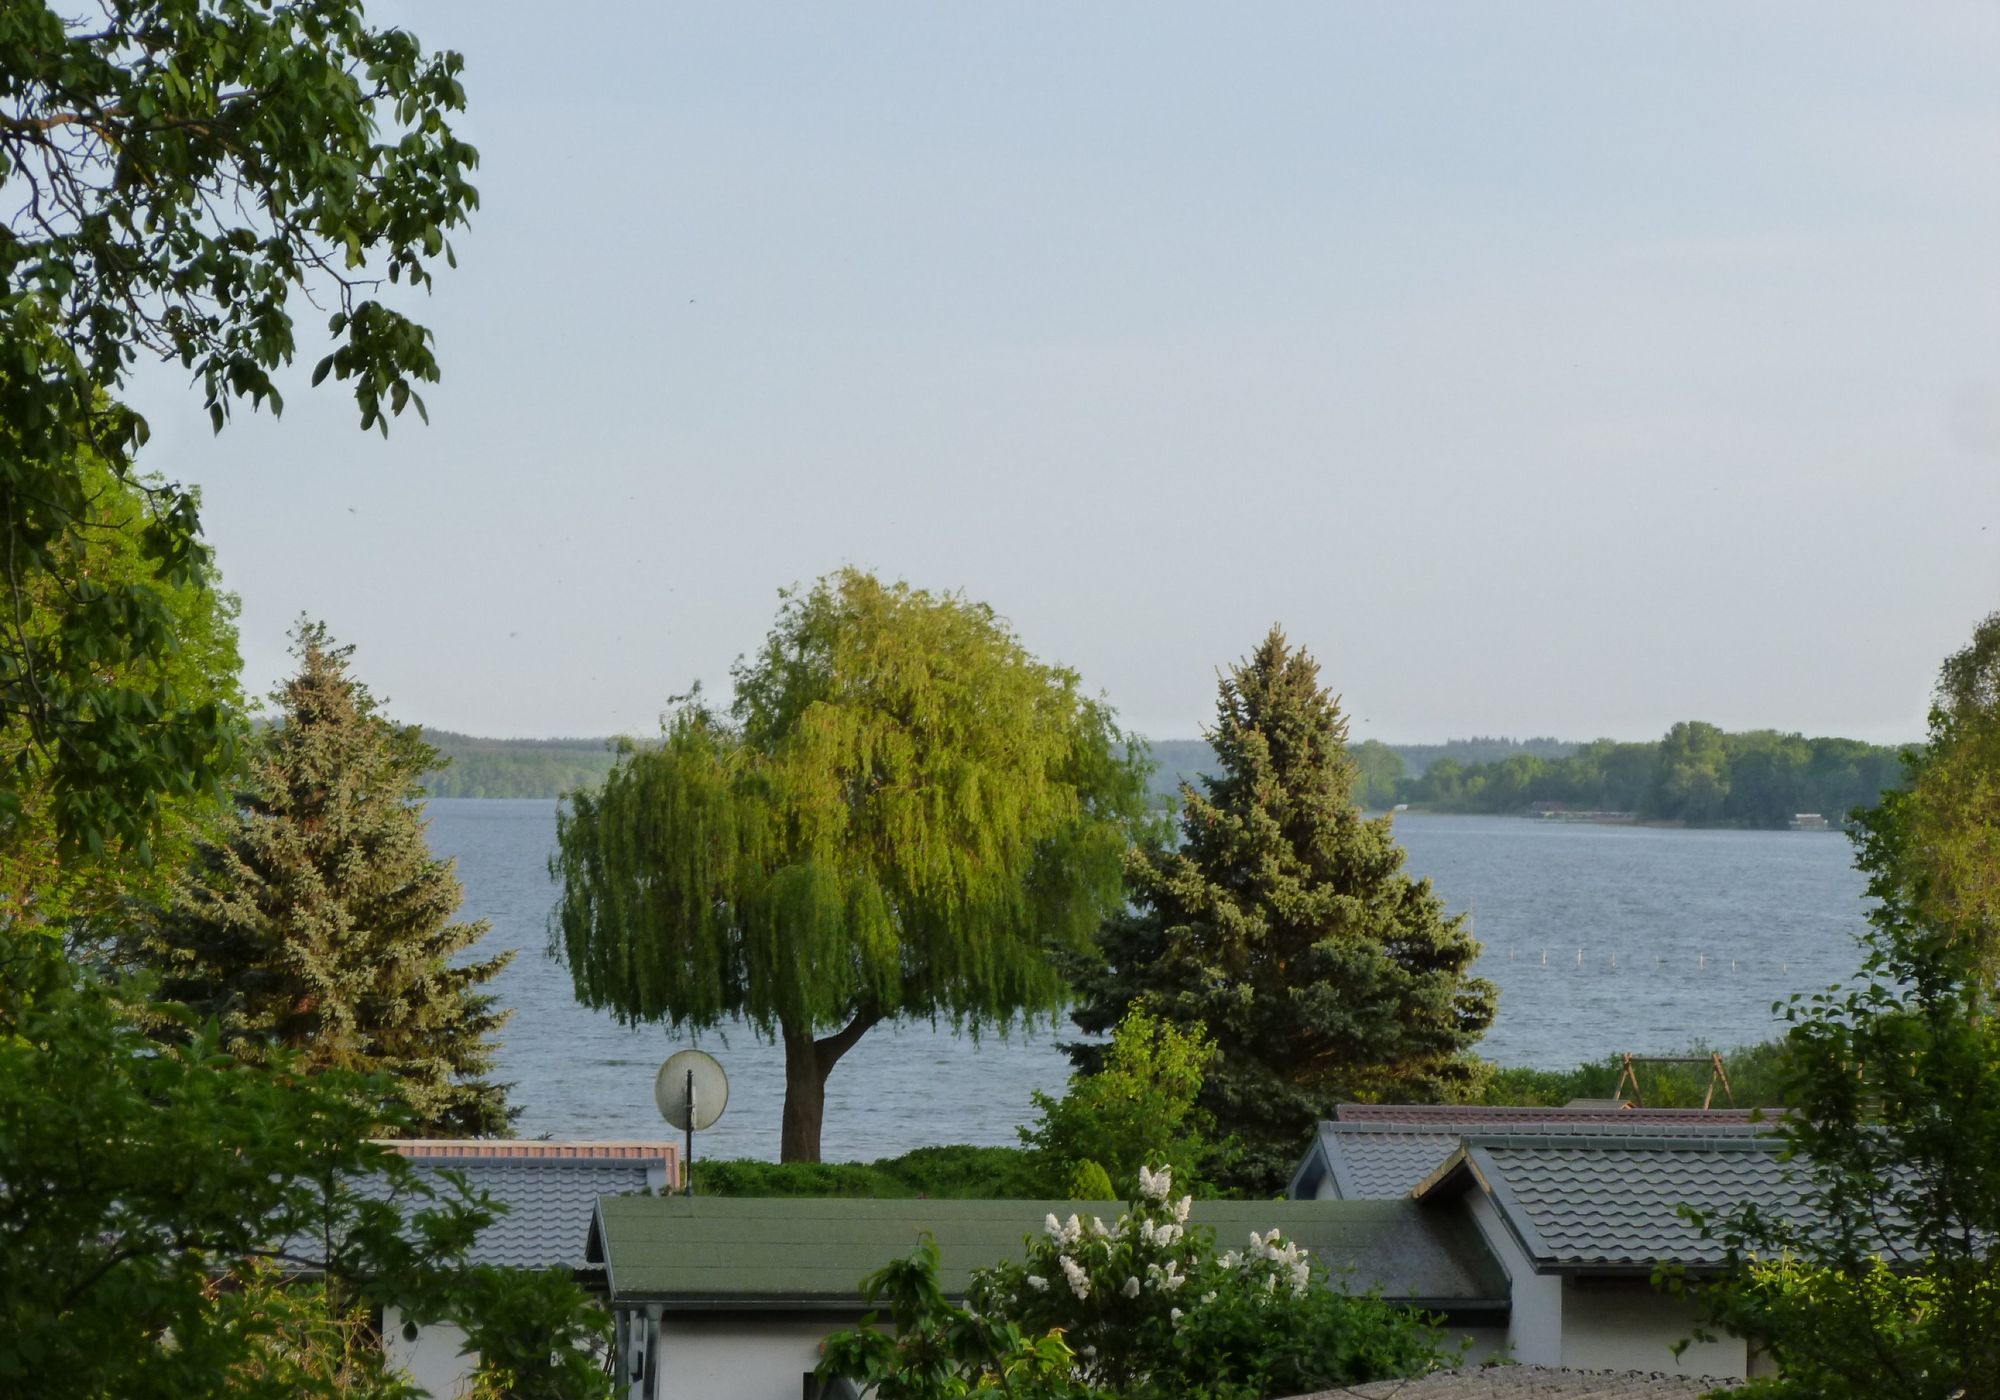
{"x": 1562, "y": 369}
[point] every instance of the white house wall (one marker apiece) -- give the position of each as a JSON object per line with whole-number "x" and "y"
{"x": 436, "y": 1361}
{"x": 1535, "y": 1313}
{"x": 703, "y": 1357}
{"x": 1626, "y": 1324}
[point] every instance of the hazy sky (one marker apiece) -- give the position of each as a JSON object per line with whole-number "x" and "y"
{"x": 1544, "y": 368}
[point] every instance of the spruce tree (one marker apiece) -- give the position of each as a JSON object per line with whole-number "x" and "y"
{"x": 322, "y": 924}
{"x": 1285, "y": 926}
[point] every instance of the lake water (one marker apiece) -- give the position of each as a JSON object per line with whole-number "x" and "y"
{"x": 1600, "y": 938}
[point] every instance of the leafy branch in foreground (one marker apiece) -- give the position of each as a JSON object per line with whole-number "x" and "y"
{"x": 175, "y": 1223}
{"x": 174, "y": 173}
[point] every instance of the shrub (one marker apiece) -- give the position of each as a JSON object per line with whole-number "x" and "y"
{"x": 952, "y": 1172}
{"x": 1756, "y": 1080}
{"x": 1088, "y": 1182}
{"x": 1138, "y": 1107}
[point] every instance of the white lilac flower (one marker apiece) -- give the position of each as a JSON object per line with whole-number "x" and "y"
{"x": 1079, "y": 1283}
{"x": 1145, "y": 1232}
{"x": 1073, "y": 1231}
{"x": 1230, "y": 1260}
{"x": 1174, "y": 1316}
{"x": 1300, "y": 1275}
{"x": 1155, "y": 1186}
{"x": 1181, "y": 1208}
{"x": 1097, "y": 1227}
{"x": 1208, "y": 1297}
{"x": 1131, "y": 1288}
{"x": 1270, "y": 1283}
{"x": 1038, "y": 1283}
{"x": 1053, "y": 1226}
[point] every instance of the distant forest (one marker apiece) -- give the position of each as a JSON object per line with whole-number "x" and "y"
{"x": 514, "y": 767}
{"x": 1696, "y": 774}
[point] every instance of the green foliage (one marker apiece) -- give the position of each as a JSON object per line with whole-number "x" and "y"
{"x": 1758, "y": 1075}
{"x": 1419, "y": 758}
{"x": 74, "y": 892}
{"x": 320, "y": 924}
{"x": 1378, "y": 775}
{"x": 174, "y": 172}
{"x": 902, "y": 814}
{"x": 159, "y": 1203}
{"x": 515, "y": 767}
{"x": 538, "y": 1335}
{"x": 1146, "y": 1310}
{"x": 1088, "y": 1181}
{"x": 296, "y": 1337}
{"x": 1285, "y": 926}
{"x": 1695, "y": 774}
{"x": 150, "y": 1196}
{"x": 1936, "y": 847}
{"x": 1137, "y": 1107}
{"x": 1891, "y": 1285}
{"x": 939, "y": 1350}
{"x": 954, "y": 1172}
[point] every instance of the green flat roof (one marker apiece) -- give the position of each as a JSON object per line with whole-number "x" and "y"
{"x": 770, "y": 1253}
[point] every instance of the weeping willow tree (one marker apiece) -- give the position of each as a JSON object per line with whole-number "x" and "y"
{"x": 902, "y": 814}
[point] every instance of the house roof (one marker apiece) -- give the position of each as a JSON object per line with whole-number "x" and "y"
{"x": 737, "y": 1253}
{"x": 1369, "y": 1160}
{"x": 1530, "y": 1383}
{"x": 665, "y": 1156}
{"x": 1492, "y": 1116}
{"x": 549, "y": 1189}
{"x": 1610, "y": 1204}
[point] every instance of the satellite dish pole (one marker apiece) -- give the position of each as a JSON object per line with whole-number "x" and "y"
{"x": 687, "y": 1187}
{"x": 692, "y": 1091}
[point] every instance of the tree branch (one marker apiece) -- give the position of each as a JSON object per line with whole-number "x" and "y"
{"x": 830, "y": 1048}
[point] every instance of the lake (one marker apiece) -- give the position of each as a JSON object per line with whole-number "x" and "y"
{"x": 1600, "y": 938}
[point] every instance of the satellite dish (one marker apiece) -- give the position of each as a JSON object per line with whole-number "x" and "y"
{"x": 690, "y": 1072}
{"x": 692, "y": 1091}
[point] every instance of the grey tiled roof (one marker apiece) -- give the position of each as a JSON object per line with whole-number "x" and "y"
{"x": 1530, "y": 1383}
{"x": 1495, "y": 1116}
{"x": 1612, "y": 1203}
{"x": 549, "y": 1201}
{"x": 1369, "y": 1160}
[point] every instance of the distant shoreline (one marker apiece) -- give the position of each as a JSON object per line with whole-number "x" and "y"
{"x": 1696, "y": 776}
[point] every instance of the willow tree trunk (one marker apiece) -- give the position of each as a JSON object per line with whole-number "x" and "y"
{"x": 807, "y": 1064}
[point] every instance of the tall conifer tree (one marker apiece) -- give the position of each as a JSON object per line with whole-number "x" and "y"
{"x": 322, "y": 924}
{"x": 1285, "y": 925}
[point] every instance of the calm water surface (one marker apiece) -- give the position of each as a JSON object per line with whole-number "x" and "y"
{"x": 1600, "y": 939}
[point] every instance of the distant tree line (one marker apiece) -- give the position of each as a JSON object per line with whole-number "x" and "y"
{"x": 514, "y": 767}
{"x": 1696, "y": 773}
{"x": 1382, "y": 766}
